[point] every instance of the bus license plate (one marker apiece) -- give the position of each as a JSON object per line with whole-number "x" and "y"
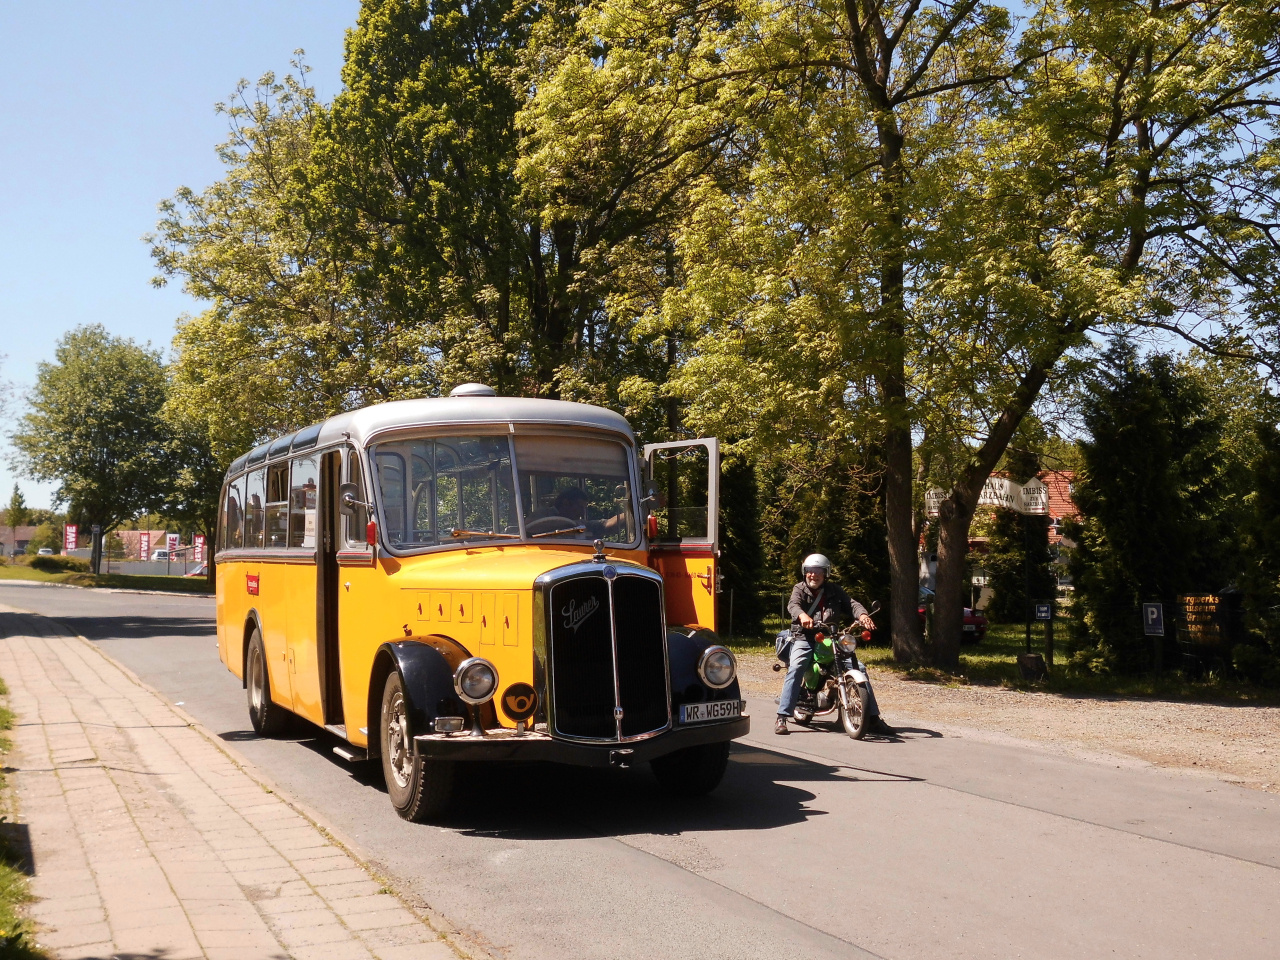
{"x": 715, "y": 710}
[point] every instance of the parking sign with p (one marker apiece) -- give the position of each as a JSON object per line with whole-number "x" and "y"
{"x": 1153, "y": 619}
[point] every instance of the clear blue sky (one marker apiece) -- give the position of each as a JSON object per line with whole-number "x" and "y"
{"x": 105, "y": 110}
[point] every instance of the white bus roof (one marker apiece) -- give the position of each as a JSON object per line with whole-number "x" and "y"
{"x": 359, "y": 426}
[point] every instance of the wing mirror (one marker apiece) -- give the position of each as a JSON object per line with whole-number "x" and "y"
{"x": 348, "y": 499}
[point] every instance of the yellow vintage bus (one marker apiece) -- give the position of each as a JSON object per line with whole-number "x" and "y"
{"x": 474, "y": 577}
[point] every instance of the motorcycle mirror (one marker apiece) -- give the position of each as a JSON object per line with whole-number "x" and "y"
{"x": 875, "y": 608}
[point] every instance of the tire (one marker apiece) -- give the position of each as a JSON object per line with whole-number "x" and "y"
{"x": 855, "y": 716}
{"x": 420, "y": 789}
{"x": 268, "y": 718}
{"x": 693, "y": 771}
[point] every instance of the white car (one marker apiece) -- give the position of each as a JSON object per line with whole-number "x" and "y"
{"x": 160, "y": 553}
{"x": 45, "y": 552}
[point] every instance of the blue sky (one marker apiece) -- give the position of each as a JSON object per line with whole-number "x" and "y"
{"x": 106, "y": 109}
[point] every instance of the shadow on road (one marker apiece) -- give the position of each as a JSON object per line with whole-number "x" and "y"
{"x": 542, "y": 801}
{"x": 125, "y": 627}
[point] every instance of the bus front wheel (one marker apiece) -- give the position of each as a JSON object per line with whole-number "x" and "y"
{"x": 268, "y": 718}
{"x": 420, "y": 789}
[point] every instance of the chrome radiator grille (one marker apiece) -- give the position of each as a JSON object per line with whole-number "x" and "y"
{"x": 606, "y": 649}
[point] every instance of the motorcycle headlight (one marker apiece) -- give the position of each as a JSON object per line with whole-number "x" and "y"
{"x": 717, "y": 668}
{"x": 847, "y": 643}
{"x": 475, "y": 680}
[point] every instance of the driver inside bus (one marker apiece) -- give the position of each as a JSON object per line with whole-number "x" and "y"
{"x": 572, "y": 503}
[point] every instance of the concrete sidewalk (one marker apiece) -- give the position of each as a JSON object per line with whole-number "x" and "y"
{"x": 150, "y": 841}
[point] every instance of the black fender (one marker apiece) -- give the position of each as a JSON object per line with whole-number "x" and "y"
{"x": 685, "y": 646}
{"x": 252, "y": 620}
{"x": 428, "y": 687}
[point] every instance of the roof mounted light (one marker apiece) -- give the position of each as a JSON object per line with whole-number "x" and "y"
{"x": 472, "y": 390}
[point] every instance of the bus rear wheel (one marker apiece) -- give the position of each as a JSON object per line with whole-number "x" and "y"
{"x": 268, "y": 718}
{"x": 420, "y": 789}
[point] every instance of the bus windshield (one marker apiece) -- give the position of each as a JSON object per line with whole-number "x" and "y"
{"x": 441, "y": 490}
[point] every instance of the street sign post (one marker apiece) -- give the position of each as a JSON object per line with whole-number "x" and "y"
{"x": 1153, "y": 627}
{"x": 1044, "y": 612}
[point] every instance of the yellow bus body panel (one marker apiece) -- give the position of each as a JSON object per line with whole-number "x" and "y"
{"x": 480, "y": 597}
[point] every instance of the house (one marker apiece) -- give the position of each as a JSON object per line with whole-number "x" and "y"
{"x": 7, "y": 538}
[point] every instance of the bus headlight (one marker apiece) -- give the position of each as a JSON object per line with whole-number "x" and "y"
{"x": 475, "y": 680}
{"x": 717, "y": 668}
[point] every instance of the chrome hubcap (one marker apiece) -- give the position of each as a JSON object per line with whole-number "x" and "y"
{"x": 255, "y": 680}
{"x": 399, "y": 748}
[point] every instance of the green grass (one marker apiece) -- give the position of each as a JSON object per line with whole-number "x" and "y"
{"x": 16, "y": 932}
{"x": 994, "y": 663}
{"x": 123, "y": 581}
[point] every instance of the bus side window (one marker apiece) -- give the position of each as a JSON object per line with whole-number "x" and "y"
{"x": 254, "y": 511}
{"x": 303, "y": 492}
{"x": 234, "y": 513}
{"x": 358, "y": 520}
{"x": 277, "y": 533}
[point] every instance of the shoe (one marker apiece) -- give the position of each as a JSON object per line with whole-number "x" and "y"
{"x": 780, "y": 726}
{"x": 878, "y": 726}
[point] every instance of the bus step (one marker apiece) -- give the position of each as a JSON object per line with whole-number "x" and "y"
{"x": 351, "y": 754}
{"x": 337, "y": 729}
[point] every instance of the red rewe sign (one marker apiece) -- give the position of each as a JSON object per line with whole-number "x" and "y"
{"x": 251, "y": 584}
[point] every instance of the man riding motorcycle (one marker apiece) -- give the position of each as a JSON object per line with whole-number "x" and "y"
{"x": 818, "y": 604}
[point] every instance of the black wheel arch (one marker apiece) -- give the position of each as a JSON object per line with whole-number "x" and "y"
{"x": 685, "y": 646}
{"x": 252, "y": 621}
{"x": 428, "y": 687}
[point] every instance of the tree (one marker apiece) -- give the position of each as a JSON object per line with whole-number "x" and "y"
{"x": 45, "y": 535}
{"x": 16, "y": 515}
{"x": 1154, "y": 520}
{"x": 95, "y": 426}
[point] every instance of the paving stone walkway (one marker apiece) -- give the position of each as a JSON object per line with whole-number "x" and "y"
{"x": 150, "y": 843}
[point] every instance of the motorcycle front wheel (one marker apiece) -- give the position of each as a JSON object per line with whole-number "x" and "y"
{"x": 853, "y": 708}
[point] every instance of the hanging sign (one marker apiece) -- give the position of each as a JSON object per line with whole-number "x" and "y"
{"x": 69, "y": 537}
{"x": 1031, "y": 497}
{"x": 172, "y": 541}
{"x": 144, "y": 545}
{"x": 198, "y": 551}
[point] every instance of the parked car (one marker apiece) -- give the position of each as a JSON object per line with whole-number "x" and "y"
{"x": 45, "y": 552}
{"x": 160, "y": 553}
{"x": 975, "y": 624}
{"x": 200, "y": 571}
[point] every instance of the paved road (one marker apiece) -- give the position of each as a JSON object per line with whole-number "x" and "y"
{"x": 815, "y": 846}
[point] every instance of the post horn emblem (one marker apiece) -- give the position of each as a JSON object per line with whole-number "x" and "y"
{"x": 519, "y": 702}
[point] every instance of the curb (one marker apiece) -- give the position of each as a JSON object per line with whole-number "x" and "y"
{"x": 455, "y": 937}
{"x": 76, "y": 586}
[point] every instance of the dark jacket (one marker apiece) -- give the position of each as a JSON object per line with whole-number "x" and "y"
{"x": 836, "y": 608}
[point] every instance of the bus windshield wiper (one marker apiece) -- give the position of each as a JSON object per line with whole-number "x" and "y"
{"x": 552, "y": 533}
{"x": 466, "y": 534}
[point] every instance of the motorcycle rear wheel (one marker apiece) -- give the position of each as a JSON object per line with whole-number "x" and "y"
{"x": 853, "y": 709}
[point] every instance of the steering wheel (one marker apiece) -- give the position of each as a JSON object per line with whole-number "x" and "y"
{"x": 553, "y": 522}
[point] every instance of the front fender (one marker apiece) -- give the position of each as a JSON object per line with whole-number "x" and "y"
{"x": 685, "y": 646}
{"x": 428, "y": 687}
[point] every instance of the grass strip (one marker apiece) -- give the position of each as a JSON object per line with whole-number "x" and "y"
{"x": 17, "y": 933}
{"x": 993, "y": 662}
{"x": 120, "y": 581}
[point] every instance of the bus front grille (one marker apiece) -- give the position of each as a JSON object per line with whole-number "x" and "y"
{"x": 587, "y": 616}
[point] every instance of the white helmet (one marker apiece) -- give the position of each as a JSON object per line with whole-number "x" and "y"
{"x": 816, "y": 561}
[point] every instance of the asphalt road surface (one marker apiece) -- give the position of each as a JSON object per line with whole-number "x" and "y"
{"x": 815, "y": 846}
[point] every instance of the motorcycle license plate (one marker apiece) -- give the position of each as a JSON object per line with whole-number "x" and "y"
{"x": 970, "y": 628}
{"x": 715, "y": 710}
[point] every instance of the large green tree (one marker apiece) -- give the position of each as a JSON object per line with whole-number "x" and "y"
{"x": 95, "y": 426}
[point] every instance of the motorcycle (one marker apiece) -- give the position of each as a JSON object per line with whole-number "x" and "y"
{"x": 835, "y": 681}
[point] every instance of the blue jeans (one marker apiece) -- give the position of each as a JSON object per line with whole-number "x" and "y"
{"x": 801, "y": 660}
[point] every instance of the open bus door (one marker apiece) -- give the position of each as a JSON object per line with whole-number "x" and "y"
{"x": 683, "y": 526}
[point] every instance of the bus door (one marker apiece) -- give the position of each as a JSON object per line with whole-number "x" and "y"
{"x": 683, "y": 496}
{"x": 329, "y": 530}
{"x": 301, "y": 585}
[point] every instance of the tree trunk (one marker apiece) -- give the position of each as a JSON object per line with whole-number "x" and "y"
{"x": 904, "y": 562}
{"x": 948, "y": 598}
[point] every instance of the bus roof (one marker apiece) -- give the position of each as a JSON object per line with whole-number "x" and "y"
{"x": 361, "y": 425}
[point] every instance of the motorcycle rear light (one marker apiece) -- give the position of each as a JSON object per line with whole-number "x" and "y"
{"x": 819, "y": 637}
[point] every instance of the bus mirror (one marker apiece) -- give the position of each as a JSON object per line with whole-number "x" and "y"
{"x": 349, "y": 499}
